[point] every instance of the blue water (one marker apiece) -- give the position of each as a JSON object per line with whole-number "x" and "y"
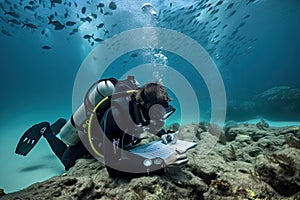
{"x": 255, "y": 45}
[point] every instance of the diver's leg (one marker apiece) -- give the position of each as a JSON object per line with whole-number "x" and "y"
{"x": 72, "y": 153}
{"x": 57, "y": 146}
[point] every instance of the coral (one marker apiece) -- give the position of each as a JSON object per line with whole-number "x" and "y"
{"x": 221, "y": 184}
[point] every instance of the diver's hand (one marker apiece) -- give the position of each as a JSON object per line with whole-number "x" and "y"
{"x": 176, "y": 161}
{"x": 169, "y": 137}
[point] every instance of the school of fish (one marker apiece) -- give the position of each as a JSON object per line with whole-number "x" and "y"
{"x": 216, "y": 25}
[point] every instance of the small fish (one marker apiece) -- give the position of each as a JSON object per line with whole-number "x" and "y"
{"x": 214, "y": 11}
{"x": 229, "y": 6}
{"x": 86, "y": 19}
{"x": 30, "y": 8}
{"x": 55, "y": 23}
{"x": 94, "y": 15}
{"x": 29, "y": 25}
{"x": 219, "y": 3}
{"x": 83, "y": 10}
{"x": 75, "y": 4}
{"x": 74, "y": 31}
{"x": 5, "y": 32}
{"x": 59, "y": 27}
{"x": 32, "y": 3}
{"x": 234, "y": 32}
{"x": 92, "y": 44}
{"x": 46, "y": 47}
{"x": 56, "y": 1}
{"x": 214, "y": 19}
{"x": 246, "y": 17}
{"x": 106, "y": 32}
{"x": 100, "y": 5}
{"x": 70, "y": 23}
{"x": 14, "y": 21}
{"x": 66, "y": 14}
{"x": 241, "y": 24}
{"x": 133, "y": 55}
{"x": 209, "y": 9}
{"x": 88, "y": 36}
{"x": 232, "y": 13}
{"x": 112, "y": 5}
{"x": 53, "y": 2}
{"x": 98, "y": 40}
{"x": 43, "y": 32}
{"x": 101, "y": 25}
{"x": 13, "y": 14}
{"x": 107, "y": 13}
{"x": 250, "y": 1}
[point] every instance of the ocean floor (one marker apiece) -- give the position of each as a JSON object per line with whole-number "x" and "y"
{"x": 251, "y": 160}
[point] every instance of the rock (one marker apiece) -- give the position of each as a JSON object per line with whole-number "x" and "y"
{"x": 291, "y": 129}
{"x": 262, "y": 125}
{"x": 281, "y": 170}
{"x": 243, "y": 140}
{"x": 258, "y": 135}
{"x": 2, "y": 193}
{"x": 230, "y": 135}
{"x": 244, "y": 164}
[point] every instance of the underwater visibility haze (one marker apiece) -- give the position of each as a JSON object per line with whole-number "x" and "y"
{"x": 254, "y": 45}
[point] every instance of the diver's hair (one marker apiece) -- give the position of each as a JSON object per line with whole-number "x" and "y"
{"x": 152, "y": 93}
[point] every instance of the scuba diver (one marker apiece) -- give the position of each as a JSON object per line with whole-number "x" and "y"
{"x": 110, "y": 121}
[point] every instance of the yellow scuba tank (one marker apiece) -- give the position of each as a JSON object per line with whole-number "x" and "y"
{"x": 70, "y": 132}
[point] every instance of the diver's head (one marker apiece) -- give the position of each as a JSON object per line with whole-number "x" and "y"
{"x": 153, "y": 100}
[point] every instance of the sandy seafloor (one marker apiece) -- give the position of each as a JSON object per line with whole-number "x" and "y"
{"x": 18, "y": 172}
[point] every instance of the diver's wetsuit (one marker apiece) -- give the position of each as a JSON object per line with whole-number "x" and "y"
{"x": 118, "y": 162}
{"x": 67, "y": 154}
{"x": 112, "y": 153}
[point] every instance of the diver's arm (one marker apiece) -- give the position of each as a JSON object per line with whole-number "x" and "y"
{"x": 119, "y": 160}
{"x": 161, "y": 132}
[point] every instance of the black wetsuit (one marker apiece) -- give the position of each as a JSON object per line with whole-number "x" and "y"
{"x": 115, "y": 163}
{"x": 120, "y": 162}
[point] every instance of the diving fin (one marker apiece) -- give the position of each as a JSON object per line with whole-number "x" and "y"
{"x": 56, "y": 126}
{"x": 31, "y": 137}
